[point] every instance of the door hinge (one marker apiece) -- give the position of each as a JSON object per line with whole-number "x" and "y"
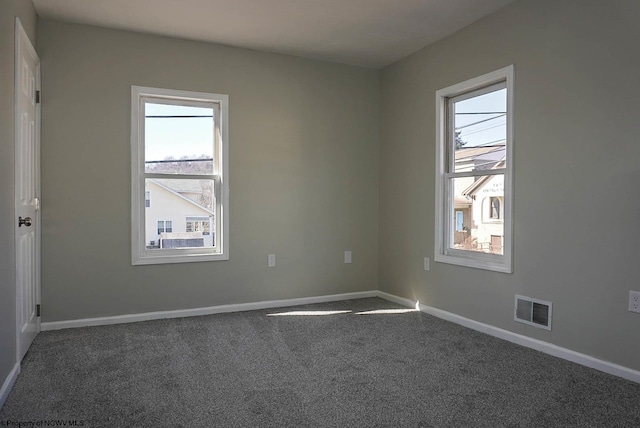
{"x": 37, "y": 310}
{"x": 37, "y": 97}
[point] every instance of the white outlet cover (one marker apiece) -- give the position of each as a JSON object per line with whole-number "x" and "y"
{"x": 347, "y": 256}
{"x": 271, "y": 260}
{"x": 426, "y": 263}
{"x": 634, "y": 301}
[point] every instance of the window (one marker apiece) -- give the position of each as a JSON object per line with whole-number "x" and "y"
{"x": 199, "y": 224}
{"x": 179, "y": 152}
{"x": 164, "y": 226}
{"x": 474, "y": 172}
{"x": 494, "y": 208}
{"x": 459, "y": 221}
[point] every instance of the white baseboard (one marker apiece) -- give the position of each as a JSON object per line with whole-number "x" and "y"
{"x": 8, "y": 384}
{"x": 395, "y": 299}
{"x": 147, "y": 316}
{"x": 538, "y": 345}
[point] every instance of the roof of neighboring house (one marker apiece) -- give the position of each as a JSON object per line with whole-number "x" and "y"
{"x": 471, "y": 153}
{"x": 180, "y": 186}
{"x": 483, "y": 157}
{"x": 160, "y": 183}
{"x": 481, "y": 181}
{"x": 462, "y": 201}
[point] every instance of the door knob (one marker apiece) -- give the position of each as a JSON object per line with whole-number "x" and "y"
{"x": 24, "y": 221}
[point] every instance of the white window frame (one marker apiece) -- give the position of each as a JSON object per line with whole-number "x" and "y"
{"x": 444, "y": 194}
{"x": 140, "y": 255}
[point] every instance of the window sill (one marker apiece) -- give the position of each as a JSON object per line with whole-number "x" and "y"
{"x": 478, "y": 260}
{"x": 181, "y": 258}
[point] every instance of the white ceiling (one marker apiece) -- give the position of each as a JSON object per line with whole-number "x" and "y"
{"x": 369, "y": 33}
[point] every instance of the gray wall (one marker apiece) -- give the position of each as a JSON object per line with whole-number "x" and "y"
{"x": 577, "y": 169}
{"x": 303, "y": 164}
{"x": 9, "y": 9}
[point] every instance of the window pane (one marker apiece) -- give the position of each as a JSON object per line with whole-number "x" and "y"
{"x": 494, "y": 208}
{"x": 177, "y": 202}
{"x": 479, "y": 132}
{"x": 472, "y": 209}
{"x": 459, "y": 221}
{"x": 178, "y": 139}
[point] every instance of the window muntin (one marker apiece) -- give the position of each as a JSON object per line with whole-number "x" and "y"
{"x": 179, "y": 153}
{"x": 474, "y": 170}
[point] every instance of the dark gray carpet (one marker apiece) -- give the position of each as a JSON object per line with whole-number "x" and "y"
{"x": 250, "y": 370}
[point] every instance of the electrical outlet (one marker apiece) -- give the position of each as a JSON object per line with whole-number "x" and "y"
{"x": 426, "y": 263}
{"x": 634, "y": 301}
{"x": 347, "y": 256}
{"x": 271, "y": 260}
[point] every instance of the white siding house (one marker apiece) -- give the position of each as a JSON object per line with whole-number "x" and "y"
{"x": 173, "y": 216}
{"x": 479, "y": 202}
{"x": 487, "y": 213}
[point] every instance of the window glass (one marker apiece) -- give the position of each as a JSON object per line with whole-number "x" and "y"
{"x": 495, "y": 208}
{"x": 480, "y": 131}
{"x": 459, "y": 221}
{"x": 178, "y": 139}
{"x": 193, "y": 201}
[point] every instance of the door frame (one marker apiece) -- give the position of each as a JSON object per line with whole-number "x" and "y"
{"x": 21, "y": 35}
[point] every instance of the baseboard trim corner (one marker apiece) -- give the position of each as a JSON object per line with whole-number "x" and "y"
{"x": 395, "y": 299}
{"x": 8, "y": 384}
{"x": 181, "y": 313}
{"x": 538, "y": 345}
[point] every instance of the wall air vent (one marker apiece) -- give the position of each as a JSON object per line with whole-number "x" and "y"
{"x": 533, "y": 312}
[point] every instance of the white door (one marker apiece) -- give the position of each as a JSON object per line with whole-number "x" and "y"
{"x": 27, "y": 191}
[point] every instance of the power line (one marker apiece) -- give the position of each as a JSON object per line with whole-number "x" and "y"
{"x": 179, "y": 160}
{"x": 175, "y": 117}
{"x": 488, "y": 143}
{"x": 482, "y": 129}
{"x": 480, "y": 121}
{"x": 485, "y": 112}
